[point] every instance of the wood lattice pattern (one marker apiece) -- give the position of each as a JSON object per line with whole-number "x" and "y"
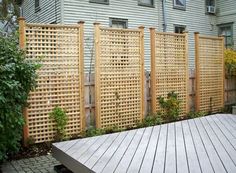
{"x": 59, "y": 78}
{"x": 119, "y": 80}
{"x": 210, "y": 74}
{"x": 169, "y": 68}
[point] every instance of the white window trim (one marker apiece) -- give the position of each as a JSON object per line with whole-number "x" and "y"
{"x": 175, "y": 6}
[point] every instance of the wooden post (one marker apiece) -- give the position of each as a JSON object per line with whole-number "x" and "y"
{"x": 153, "y": 69}
{"x": 81, "y": 71}
{"x": 142, "y": 71}
{"x": 22, "y": 43}
{"x": 197, "y": 71}
{"x": 187, "y": 71}
{"x": 97, "y": 74}
{"x": 223, "y": 70}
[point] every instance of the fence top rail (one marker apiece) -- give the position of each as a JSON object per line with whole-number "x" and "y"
{"x": 52, "y": 25}
{"x": 169, "y": 33}
{"x": 120, "y": 29}
{"x": 211, "y": 37}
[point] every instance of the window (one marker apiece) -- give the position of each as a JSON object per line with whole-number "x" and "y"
{"x": 180, "y": 4}
{"x": 226, "y": 30}
{"x": 118, "y": 23}
{"x": 210, "y": 6}
{"x": 36, "y": 6}
{"x": 100, "y": 1}
{"x": 179, "y": 29}
{"x": 148, "y": 3}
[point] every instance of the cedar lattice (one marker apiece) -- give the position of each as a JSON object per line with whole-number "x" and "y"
{"x": 209, "y": 73}
{"x": 169, "y": 68}
{"x": 119, "y": 79}
{"x": 60, "y": 79}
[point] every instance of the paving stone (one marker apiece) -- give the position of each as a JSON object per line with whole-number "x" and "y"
{"x": 43, "y": 164}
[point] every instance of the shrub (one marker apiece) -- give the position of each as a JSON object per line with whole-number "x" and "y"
{"x": 150, "y": 120}
{"x": 17, "y": 79}
{"x": 170, "y": 106}
{"x": 230, "y": 61}
{"x": 58, "y": 115}
{"x": 193, "y": 114}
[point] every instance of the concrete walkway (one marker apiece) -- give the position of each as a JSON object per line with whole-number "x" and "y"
{"x": 42, "y": 164}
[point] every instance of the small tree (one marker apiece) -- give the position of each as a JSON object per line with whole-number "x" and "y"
{"x": 17, "y": 79}
{"x": 230, "y": 61}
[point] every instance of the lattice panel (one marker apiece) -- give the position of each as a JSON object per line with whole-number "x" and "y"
{"x": 60, "y": 78}
{"x": 209, "y": 74}
{"x": 119, "y": 77}
{"x": 169, "y": 69}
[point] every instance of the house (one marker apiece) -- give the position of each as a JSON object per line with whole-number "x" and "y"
{"x": 209, "y": 17}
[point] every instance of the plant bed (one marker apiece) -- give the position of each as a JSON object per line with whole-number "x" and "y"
{"x": 34, "y": 150}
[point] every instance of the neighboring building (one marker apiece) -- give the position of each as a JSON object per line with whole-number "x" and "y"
{"x": 204, "y": 16}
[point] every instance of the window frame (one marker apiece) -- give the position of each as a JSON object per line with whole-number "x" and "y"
{"x": 146, "y": 4}
{"x": 224, "y": 25}
{"x": 99, "y": 2}
{"x": 111, "y": 19}
{"x": 206, "y": 5}
{"x": 175, "y": 6}
{"x": 179, "y": 26}
{"x": 37, "y": 8}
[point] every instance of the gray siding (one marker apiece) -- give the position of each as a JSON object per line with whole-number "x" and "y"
{"x": 226, "y": 13}
{"x": 76, "y": 10}
{"x": 50, "y": 11}
{"x": 194, "y": 18}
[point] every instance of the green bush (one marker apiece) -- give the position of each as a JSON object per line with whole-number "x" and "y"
{"x": 150, "y": 120}
{"x": 17, "y": 79}
{"x": 193, "y": 114}
{"x": 58, "y": 115}
{"x": 170, "y": 106}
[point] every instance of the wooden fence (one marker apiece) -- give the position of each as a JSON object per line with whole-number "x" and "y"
{"x": 59, "y": 49}
{"x": 119, "y": 89}
{"x": 119, "y": 76}
{"x": 210, "y": 75}
{"x": 169, "y": 68}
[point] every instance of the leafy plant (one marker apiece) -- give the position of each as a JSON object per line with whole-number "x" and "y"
{"x": 58, "y": 115}
{"x": 92, "y": 131}
{"x": 230, "y": 61}
{"x": 17, "y": 79}
{"x": 170, "y": 106}
{"x": 193, "y": 114}
{"x": 150, "y": 120}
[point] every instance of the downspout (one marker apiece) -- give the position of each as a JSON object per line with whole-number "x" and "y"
{"x": 164, "y": 15}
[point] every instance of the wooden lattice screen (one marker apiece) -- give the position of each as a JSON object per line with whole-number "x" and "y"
{"x": 119, "y": 78}
{"x": 209, "y": 73}
{"x": 169, "y": 68}
{"x": 60, "y": 79}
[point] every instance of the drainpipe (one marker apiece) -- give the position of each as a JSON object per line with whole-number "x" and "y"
{"x": 164, "y": 15}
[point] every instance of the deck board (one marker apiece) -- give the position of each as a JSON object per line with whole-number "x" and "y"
{"x": 201, "y": 145}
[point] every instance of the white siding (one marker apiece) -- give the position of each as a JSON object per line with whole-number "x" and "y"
{"x": 49, "y": 11}
{"x": 194, "y": 18}
{"x": 226, "y": 13}
{"x": 76, "y": 10}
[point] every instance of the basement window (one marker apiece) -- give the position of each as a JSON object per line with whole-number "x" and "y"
{"x": 179, "y": 29}
{"x": 100, "y": 1}
{"x": 180, "y": 4}
{"x": 147, "y": 3}
{"x": 118, "y": 23}
{"x": 36, "y": 6}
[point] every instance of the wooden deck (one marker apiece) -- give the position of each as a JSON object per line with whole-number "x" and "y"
{"x": 206, "y": 144}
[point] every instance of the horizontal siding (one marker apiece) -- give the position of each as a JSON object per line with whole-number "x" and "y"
{"x": 194, "y": 18}
{"x": 76, "y": 10}
{"x": 226, "y": 13}
{"x": 49, "y": 11}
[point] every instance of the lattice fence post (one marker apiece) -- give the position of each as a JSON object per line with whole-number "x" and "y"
{"x": 142, "y": 70}
{"x": 22, "y": 42}
{"x": 153, "y": 71}
{"x": 197, "y": 74}
{"x": 97, "y": 74}
{"x": 187, "y": 72}
{"x": 81, "y": 56}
